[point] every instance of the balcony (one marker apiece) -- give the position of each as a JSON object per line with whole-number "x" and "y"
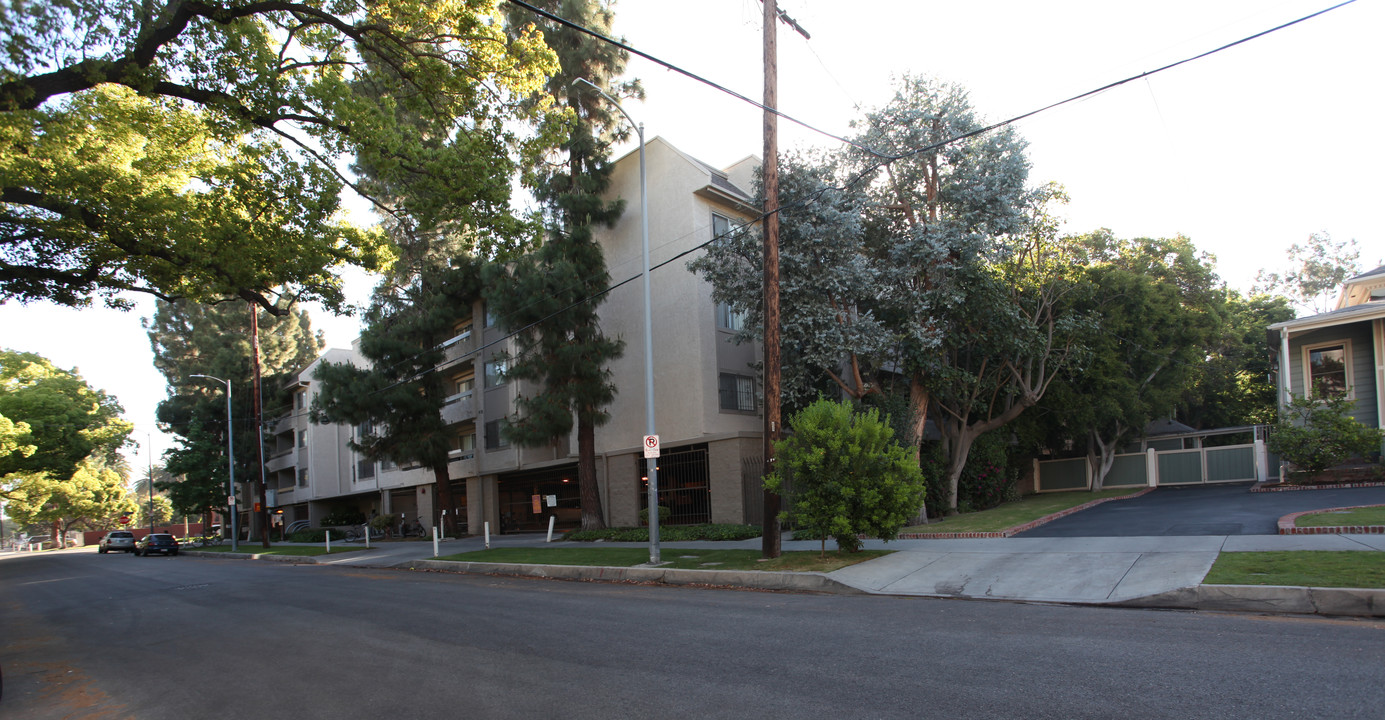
{"x": 457, "y": 348}
{"x": 282, "y": 460}
{"x": 458, "y": 408}
{"x": 461, "y": 464}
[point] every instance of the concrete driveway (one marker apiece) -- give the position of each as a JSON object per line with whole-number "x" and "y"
{"x": 1201, "y": 510}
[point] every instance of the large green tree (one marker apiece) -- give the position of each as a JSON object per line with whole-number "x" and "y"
{"x": 193, "y": 148}
{"x": 93, "y": 496}
{"x": 64, "y": 443}
{"x": 1156, "y": 308}
{"x": 550, "y": 296}
{"x": 396, "y": 400}
{"x": 189, "y": 339}
{"x": 1232, "y": 385}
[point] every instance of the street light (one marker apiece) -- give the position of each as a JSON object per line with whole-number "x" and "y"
{"x": 230, "y": 464}
{"x": 653, "y": 463}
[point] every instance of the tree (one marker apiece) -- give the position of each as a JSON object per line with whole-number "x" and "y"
{"x": 1231, "y": 386}
{"x": 91, "y": 496}
{"x": 849, "y": 475}
{"x": 194, "y": 339}
{"x": 396, "y": 400}
{"x": 549, "y": 297}
{"x": 192, "y": 148}
{"x": 1316, "y": 270}
{"x": 1156, "y": 307}
{"x": 831, "y": 339}
{"x": 65, "y": 421}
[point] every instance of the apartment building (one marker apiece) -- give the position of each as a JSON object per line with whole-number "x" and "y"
{"x": 706, "y": 395}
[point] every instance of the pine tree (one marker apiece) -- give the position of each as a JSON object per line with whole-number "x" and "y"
{"x": 551, "y": 295}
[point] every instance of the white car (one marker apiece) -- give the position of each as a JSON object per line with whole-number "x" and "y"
{"x": 122, "y": 540}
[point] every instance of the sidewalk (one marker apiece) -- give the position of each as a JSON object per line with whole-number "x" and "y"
{"x": 1157, "y": 572}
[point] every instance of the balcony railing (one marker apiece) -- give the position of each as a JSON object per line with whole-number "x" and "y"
{"x": 457, "y": 347}
{"x": 458, "y": 408}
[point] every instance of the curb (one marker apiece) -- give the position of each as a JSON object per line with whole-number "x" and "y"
{"x": 295, "y": 559}
{"x": 1280, "y": 487}
{"x": 1349, "y": 602}
{"x": 1287, "y": 527}
{"x": 750, "y": 579}
{"x": 1012, "y": 531}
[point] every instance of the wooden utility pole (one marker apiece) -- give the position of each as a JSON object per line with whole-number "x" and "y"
{"x": 771, "y": 545}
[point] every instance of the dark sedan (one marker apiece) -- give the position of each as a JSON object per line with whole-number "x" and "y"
{"x": 161, "y": 543}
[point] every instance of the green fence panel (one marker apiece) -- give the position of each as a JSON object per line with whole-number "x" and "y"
{"x": 1180, "y": 468}
{"x": 1236, "y": 462}
{"x": 1063, "y": 474}
{"x": 1127, "y": 471}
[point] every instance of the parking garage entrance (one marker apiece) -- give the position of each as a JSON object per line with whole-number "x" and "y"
{"x": 527, "y": 499}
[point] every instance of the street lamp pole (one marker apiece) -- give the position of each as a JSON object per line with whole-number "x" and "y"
{"x": 230, "y": 464}
{"x": 652, "y": 463}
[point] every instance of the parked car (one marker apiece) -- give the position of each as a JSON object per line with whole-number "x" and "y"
{"x": 161, "y": 543}
{"x": 122, "y": 540}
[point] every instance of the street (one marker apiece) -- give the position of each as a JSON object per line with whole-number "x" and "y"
{"x": 112, "y": 636}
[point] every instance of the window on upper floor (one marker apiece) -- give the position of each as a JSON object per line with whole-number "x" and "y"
{"x": 489, "y": 316}
{"x": 729, "y": 318}
{"x": 464, "y": 443}
{"x": 302, "y": 477}
{"x": 462, "y": 385}
{"x": 1327, "y": 368}
{"x": 721, "y": 225}
{"x": 302, "y": 438}
{"x": 300, "y": 399}
{"x": 494, "y": 441}
{"x": 495, "y": 372}
{"x": 737, "y": 392}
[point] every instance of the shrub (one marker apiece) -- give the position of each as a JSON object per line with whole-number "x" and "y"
{"x": 315, "y": 535}
{"x": 850, "y": 476}
{"x": 987, "y": 480}
{"x": 664, "y": 514}
{"x": 1318, "y": 433}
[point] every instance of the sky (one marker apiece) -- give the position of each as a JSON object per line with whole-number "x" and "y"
{"x": 1245, "y": 152}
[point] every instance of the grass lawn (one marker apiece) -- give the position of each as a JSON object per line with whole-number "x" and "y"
{"x": 1019, "y": 512}
{"x": 677, "y": 558}
{"x": 1303, "y": 568}
{"x": 1359, "y": 516}
{"x": 295, "y": 550}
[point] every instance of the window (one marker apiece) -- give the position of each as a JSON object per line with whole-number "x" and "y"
{"x": 737, "y": 393}
{"x": 729, "y": 318}
{"x": 490, "y": 319}
{"x": 1327, "y": 368}
{"x": 463, "y": 385}
{"x": 302, "y": 438}
{"x": 493, "y": 439}
{"x": 495, "y": 372}
{"x": 302, "y": 477}
{"x": 464, "y": 444}
{"x": 720, "y": 226}
{"x": 300, "y": 399}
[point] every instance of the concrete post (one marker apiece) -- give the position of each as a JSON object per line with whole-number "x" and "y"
{"x": 1152, "y": 468}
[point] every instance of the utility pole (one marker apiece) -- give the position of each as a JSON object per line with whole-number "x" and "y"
{"x": 771, "y": 545}
{"x": 257, "y": 412}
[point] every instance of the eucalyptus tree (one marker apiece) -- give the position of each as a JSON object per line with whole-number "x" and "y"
{"x": 1316, "y": 270}
{"x": 196, "y": 149}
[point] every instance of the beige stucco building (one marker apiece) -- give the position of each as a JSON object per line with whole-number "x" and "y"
{"x": 706, "y": 395}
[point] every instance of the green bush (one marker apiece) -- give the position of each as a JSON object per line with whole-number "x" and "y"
{"x": 850, "y": 476}
{"x": 664, "y": 514}
{"x": 342, "y": 516}
{"x": 1318, "y": 433}
{"x": 986, "y": 479}
{"x": 315, "y": 535}
{"x": 670, "y": 533}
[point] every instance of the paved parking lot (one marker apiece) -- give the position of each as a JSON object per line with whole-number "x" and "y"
{"x": 1201, "y": 510}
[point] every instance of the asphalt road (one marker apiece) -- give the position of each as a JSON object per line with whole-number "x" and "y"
{"x": 1201, "y": 510}
{"x": 101, "y": 636}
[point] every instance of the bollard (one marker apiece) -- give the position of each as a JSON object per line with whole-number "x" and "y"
{"x": 551, "y": 519}
{"x": 435, "y": 541}
{"x": 488, "y": 535}
{"x": 367, "y": 536}
{"x": 328, "y": 535}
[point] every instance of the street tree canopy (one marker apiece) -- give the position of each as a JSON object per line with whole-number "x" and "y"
{"x": 194, "y": 148}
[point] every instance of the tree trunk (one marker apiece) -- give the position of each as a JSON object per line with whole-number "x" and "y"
{"x": 1102, "y": 461}
{"x": 960, "y": 441}
{"x": 918, "y": 407}
{"x": 586, "y": 475}
{"x": 442, "y": 497}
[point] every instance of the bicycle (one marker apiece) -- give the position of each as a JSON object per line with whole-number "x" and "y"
{"x": 210, "y": 540}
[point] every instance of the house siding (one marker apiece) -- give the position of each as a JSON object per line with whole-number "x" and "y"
{"x": 1362, "y": 365}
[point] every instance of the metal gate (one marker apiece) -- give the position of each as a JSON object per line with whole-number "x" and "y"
{"x": 684, "y": 485}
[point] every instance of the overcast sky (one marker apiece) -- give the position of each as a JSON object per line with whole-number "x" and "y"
{"x": 1245, "y": 152}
